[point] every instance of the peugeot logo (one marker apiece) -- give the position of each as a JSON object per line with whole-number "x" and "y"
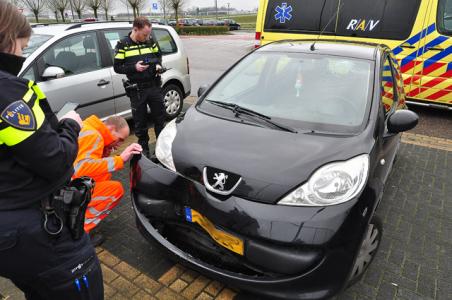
{"x": 221, "y": 180}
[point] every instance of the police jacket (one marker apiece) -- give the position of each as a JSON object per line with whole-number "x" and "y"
{"x": 36, "y": 151}
{"x": 128, "y": 53}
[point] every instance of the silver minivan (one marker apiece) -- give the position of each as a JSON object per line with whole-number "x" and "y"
{"x": 74, "y": 63}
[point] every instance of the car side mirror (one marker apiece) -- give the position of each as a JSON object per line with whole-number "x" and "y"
{"x": 202, "y": 89}
{"x": 402, "y": 120}
{"x": 53, "y": 72}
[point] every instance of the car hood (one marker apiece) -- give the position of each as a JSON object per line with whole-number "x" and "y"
{"x": 270, "y": 162}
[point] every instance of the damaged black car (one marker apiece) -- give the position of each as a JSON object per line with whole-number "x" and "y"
{"x": 271, "y": 181}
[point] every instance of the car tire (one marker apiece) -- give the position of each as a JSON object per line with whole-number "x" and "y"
{"x": 173, "y": 100}
{"x": 368, "y": 250}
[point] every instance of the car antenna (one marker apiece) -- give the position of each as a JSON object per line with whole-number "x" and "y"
{"x": 329, "y": 21}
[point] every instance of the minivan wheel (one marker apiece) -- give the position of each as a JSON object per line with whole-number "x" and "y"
{"x": 368, "y": 250}
{"x": 173, "y": 100}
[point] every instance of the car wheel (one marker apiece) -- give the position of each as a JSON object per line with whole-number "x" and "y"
{"x": 368, "y": 250}
{"x": 173, "y": 100}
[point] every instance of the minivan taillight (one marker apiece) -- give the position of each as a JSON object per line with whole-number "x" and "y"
{"x": 188, "y": 67}
{"x": 257, "y": 40}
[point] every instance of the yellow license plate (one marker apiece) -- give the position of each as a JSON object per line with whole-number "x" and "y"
{"x": 223, "y": 238}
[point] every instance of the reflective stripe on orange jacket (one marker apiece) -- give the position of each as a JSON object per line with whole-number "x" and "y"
{"x": 90, "y": 161}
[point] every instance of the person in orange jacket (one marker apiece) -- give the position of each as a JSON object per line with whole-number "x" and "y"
{"x": 96, "y": 141}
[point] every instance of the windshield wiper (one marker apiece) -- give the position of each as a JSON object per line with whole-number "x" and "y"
{"x": 237, "y": 109}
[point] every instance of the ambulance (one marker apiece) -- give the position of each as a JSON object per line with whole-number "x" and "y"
{"x": 419, "y": 32}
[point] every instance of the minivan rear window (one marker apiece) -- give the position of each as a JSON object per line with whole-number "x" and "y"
{"x": 383, "y": 19}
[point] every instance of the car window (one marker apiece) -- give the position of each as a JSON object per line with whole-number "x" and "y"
{"x": 165, "y": 41}
{"x": 387, "y": 86}
{"x": 361, "y": 18}
{"x": 30, "y": 74}
{"x": 76, "y": 54}
{"x": 113, "y": 36}
{"x": 36, "y": 40}
{"x": 445, "y": 17}
{"x": 310, "y": 91}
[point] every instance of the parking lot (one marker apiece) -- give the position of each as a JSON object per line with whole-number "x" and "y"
{"x": 414, "y": 260}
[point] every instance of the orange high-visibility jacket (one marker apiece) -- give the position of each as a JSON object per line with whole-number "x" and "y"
{"x": 92, "y": 139}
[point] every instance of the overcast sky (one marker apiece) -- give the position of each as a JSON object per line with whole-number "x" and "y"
{"x": 239, "y": 4}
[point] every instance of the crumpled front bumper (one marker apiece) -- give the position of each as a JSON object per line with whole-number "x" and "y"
{"x": 290, "y": 252}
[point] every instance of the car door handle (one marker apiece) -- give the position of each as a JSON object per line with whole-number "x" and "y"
{"x": 406, "y": 45}
{"x": 103, "y": 82}
{"x": 435, "y": 48}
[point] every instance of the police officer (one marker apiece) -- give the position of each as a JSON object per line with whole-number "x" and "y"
{"x": 139, "y": 57}
{"x": 36, "y": 156}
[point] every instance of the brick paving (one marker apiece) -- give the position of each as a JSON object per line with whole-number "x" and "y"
{"x": 414, "y": 260}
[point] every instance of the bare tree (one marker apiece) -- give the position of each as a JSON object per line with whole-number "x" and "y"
{"x": 107, "y": 5}
{"x": 35, "y": 6}
{"x": 51, "y": 4}
{"x": 177, "y": 6}
{"x": 79, "y": 6}
{"x": 165, "y": 6}
{"x": 136, "y": 5}
{"x": 59, "y": 5}
{"x": 94, "y": 5}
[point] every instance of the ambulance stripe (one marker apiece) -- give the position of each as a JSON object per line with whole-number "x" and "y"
{"x": 410, "y": 65}
{"x": 440, "y": 94}
{"x": 415, "y": 92}
{"x": 415, "y": 38}
{"x": 431, "y": 68}
{"x": 425, "y": 71}
{"x": 434, "y": 82}
{"x": 437, "y": 57}
{"x": 414, "y": 78}
{"x": 422, "y": 50}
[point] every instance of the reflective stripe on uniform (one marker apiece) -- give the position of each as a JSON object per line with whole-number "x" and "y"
{"x": 119, "y": 56}
{"x": 130, "y": 53}
{"x": 12, "y": 136}
{"x": 82, "y": 134}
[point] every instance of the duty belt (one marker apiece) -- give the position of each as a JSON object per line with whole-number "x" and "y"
{"x": 144, "y": 85}
{"x": 68, "y": 206}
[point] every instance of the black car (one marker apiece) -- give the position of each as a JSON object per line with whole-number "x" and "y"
{"x": 270, "y": 182}
{"x": 233, "y": 25}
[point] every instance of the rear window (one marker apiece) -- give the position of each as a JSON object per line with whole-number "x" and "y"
{"x": 357, "y": 18}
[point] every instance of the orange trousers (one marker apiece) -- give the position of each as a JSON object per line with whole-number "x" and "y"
{"x": 105, "y": 197}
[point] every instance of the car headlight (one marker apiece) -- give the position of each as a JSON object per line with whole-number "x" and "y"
{"x": 164, "y": 145}
{"x": 332, "y": 184}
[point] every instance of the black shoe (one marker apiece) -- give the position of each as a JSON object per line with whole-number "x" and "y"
{"x": 96, "y": 239}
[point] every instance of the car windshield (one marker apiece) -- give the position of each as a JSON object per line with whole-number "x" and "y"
{"x": 35, "y": 41}
{"x": 307, "y": 91}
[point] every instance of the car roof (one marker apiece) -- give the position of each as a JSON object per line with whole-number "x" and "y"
{"x": 56, "y": 29}
{"x": 328, "y": 47}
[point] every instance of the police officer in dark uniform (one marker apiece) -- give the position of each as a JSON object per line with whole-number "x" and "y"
{"x": 138, "y": 56}
{"x": 36, "y": 156}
